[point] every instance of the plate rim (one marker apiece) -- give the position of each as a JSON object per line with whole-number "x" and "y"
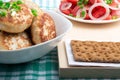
{"x": 88, "y": 21}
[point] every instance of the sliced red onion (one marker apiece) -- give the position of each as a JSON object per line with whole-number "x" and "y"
{"x": 66, "y": 5}
{"x": 117, "y": 1}
{"x": 113, "y": 8}
{"x": 102, "y": 17}
{"x": 115, "y": 13}
{"x": 78, "y": 14}
{"x": 95, "y": 1}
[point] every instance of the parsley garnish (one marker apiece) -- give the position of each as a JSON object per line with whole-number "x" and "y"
{"x": 71, "y": 15}
{"x": 34, "y": 12}
{"x": 108, "y": 1}
{"x": 3, "y": 13}
{"x": 19, "y": 2}
{"x": 81, "y": 3}
{"x": 83, "y": 13}
{"x": 9, "y": 6}
{"x": 86, "y": 2}
{"x": 1, "y": 3}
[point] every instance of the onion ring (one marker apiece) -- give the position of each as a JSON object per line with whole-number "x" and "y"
{"x": 100, "y": 18}
{"x": 117, "y": 2}
{"x": 66, "y": 6}
{"x": 113, "y": 8}
{"x": 78, "y": 14}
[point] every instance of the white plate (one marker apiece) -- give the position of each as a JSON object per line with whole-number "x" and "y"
{"x": 88, "y": 21}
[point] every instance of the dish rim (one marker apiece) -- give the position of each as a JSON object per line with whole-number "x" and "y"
{"x": 88, "y": 21}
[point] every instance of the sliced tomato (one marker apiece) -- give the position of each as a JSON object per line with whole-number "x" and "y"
{"x": 117, "y": 1}
{"x": 109, "y": 17}
{"x": 67, "y": 12}
{"x": 74, "y": 11}
{"x": 74, "y": 2}
{"x": 63, "y": 0}
{"x": 98, "y": 1}
{"x": 87, "y": 17}
{"x": 98, "y": 11}
{"x": 65, "y": 7}
{"x": 114, "y": 5}
{"x": 115, "y": 13}
{"x": 92, "y": 1}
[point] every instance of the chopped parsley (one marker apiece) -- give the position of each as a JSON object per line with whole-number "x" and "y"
{"x": 81, "y": 6}
{"x": 108, "y": 1}
{"x": 15, "y": 6}
{"x": 12, "y": 7}
{"x": 3, "y": 13}
{"x": 34, "y": 12}
{"x": 71, "y": 15}
{"x": 81, "y": 3}
{"x": 1, "y": 3}
{"x": 19, "y": 2}
{"x": 86, "y": 2}
{"x": 83, "y": 13}
{"x": 9, "y": 6}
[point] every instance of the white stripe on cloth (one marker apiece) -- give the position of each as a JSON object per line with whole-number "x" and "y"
{"x": 27, "y": 72}
{"x": 6, "y": 0}
{"x": 47, "y": 4}
{"x": 14, "y": 78}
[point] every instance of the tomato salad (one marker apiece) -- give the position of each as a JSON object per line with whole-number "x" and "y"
{"x": 91, "y": 9}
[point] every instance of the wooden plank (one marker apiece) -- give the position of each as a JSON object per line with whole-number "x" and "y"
{"x": 96, "y": 32}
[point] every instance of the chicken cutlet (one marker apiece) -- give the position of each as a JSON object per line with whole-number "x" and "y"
{"x": 17, "y": 19}
{"x": 43, "y": 29}
{"x": 43, "y": 26}
{"x": 14, "y": 41}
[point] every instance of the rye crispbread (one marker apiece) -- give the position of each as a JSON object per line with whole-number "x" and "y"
{"x": 93, "y": 51}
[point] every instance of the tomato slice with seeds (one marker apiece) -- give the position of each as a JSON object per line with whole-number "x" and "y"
{"x": 98, "y": 1}
{"x": 74, "y": 11}
{"x": 108, "y": 18}
{"x": 67, "y": 12}
{"x": 74, "y": 2}
{"x": 87, "y": 17}
{"x": 115, "y": 13}
{"x": 98, "y": 11}
{"x": 113, "y": 4}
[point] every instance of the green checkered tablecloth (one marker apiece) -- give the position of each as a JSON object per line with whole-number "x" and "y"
{"x": 45, "y": 68}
